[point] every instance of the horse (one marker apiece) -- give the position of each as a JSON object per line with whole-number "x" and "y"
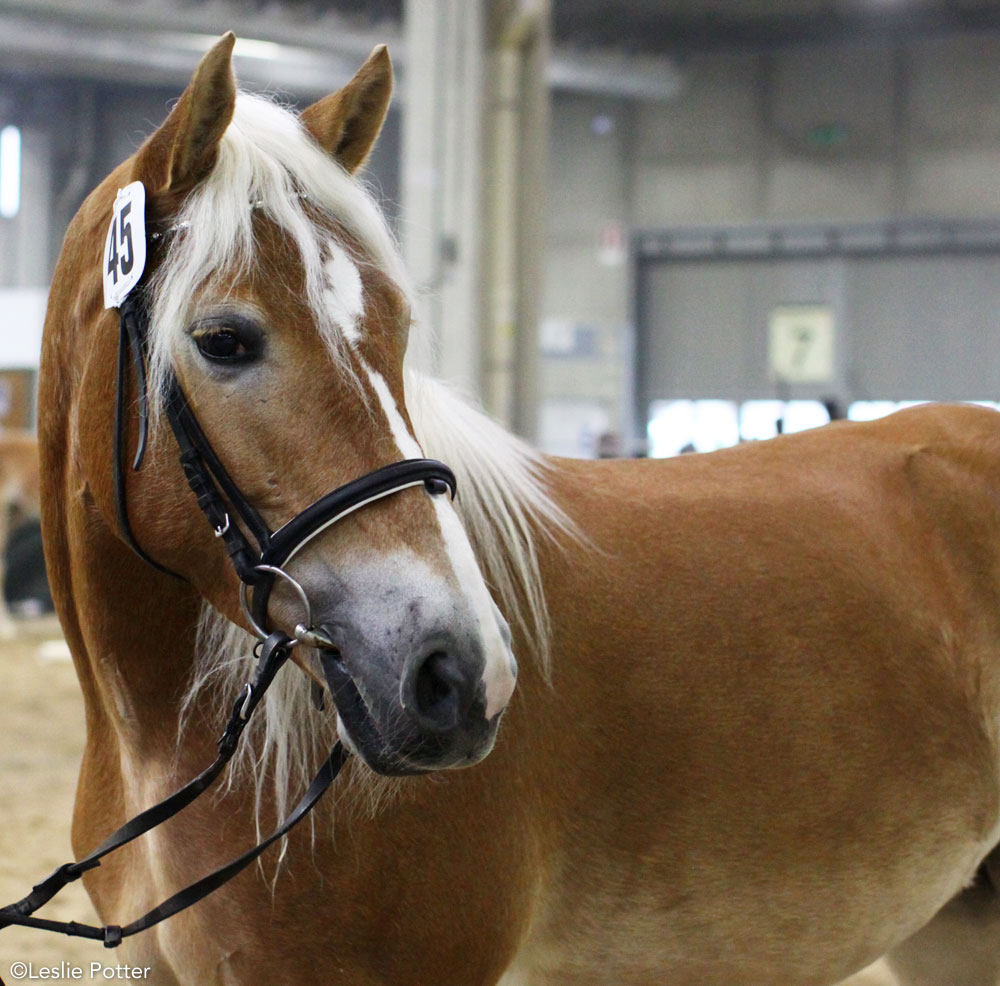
{"x": 753, "y": 737}
{"x": 19, "y": 499}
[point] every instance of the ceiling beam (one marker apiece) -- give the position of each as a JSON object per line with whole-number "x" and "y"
{"x": 154, "y": 43}
{"x": 644, "y": 28}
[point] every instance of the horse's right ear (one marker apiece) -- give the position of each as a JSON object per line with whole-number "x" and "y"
{"x": 184, "y": 150}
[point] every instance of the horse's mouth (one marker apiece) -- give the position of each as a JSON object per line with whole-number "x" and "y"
{"x": 364, "y": 737}
{"x": 388, "y": 740}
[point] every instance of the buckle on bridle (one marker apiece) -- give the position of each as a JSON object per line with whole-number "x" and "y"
{"x": 247, "y": 695}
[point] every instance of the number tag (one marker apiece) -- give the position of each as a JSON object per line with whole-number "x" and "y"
{"x": 125, "y": 247}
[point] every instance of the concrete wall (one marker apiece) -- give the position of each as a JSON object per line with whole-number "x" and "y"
{"x": 845, "y": 133}
{"x": 584, "y": 302}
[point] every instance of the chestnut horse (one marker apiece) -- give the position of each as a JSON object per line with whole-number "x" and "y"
{"x": 19, "y": 490}
{"x": 754, "y": 740}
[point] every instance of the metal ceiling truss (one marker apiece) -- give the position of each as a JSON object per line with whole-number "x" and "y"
{"x": 305, "y": 48}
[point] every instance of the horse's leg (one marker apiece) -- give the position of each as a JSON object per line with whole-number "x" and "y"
{"x": 959, "y": 947}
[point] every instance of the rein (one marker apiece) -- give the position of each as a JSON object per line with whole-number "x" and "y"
{"x": 272, "y": 655}
{"x": 257, "y": 566}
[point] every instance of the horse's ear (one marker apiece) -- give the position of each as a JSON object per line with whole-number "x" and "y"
{"x": 346, "y": 123}
{"x": 184, "y": 150}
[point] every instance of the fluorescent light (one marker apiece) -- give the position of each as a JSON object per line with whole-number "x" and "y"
{"x": 245, "y": 47}
{"x": 10, "y": 172}
{"x": 254, "y": 48}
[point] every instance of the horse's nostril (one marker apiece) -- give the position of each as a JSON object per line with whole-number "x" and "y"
{"x": 438, "y": 691}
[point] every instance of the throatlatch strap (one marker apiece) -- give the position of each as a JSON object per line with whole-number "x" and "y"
{"x": 131, "y": 337}
{"x": 274, "y": 653}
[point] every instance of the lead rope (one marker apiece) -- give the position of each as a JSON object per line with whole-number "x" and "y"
{"x": 274, "y": 652}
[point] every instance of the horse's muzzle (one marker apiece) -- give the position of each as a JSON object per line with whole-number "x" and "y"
{"x": 431, "y": 716}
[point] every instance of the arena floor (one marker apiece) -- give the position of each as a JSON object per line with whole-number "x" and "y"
{"x": 41, "y": 739}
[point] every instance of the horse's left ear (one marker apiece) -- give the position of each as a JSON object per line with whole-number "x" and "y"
{"x": 184, "y": 150}
{"x": 346, "y": 123}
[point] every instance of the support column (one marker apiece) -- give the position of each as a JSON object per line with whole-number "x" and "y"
{"x": 442, "y": 228}
{"x": 475, "y": 141}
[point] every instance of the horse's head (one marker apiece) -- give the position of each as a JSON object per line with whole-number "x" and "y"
{"x": 278, "y": 304}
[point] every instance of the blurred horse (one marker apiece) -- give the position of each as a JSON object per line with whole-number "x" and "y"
{"x": 755, "y": 735}
{"x": 19, "y": 493}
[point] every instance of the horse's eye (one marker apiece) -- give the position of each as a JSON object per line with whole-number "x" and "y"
{"x": 224, "y": 345}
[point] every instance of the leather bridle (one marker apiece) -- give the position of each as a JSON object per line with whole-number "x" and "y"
{"x": 220, "y": 497}
{"x": 257, "y": 563}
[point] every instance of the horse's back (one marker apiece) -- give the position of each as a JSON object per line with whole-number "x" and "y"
{"x": 791, "y": 677}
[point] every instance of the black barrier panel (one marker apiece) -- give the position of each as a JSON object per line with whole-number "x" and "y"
{"x": 25, "y": 583}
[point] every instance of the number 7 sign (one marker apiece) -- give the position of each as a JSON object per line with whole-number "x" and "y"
{"x": 800, "y": 343}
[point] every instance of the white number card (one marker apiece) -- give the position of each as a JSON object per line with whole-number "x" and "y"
{"x": 125, "y": 247}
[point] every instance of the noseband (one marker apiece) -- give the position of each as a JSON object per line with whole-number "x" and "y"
{"x": 257, "y": 565}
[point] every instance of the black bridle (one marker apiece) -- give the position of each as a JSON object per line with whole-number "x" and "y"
{"x": 220, "y": 497}
{"x": 271, "y": 655}
{"x": 257, "y": 563}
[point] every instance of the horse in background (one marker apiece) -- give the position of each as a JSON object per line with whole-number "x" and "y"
{"x": 19, "y": 501}
{"x": 755, "y": 738}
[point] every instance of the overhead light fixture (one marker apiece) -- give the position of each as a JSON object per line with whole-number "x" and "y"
{"x": 254, "y": 48}
{"x": 10, "y": 171}
{"x": 244, "y": 47}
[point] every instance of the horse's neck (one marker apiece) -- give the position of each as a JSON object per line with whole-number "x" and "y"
{"x": 133, "y": 656}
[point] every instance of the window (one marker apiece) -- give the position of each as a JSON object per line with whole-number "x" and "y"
{"x": 10, "y": 172}
{"x": 705, "y": 425}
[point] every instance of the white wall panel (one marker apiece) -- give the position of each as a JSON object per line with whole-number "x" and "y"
{"x": 908, "y": 327}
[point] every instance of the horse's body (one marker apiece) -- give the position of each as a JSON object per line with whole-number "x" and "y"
{"x": 19, "y": 491}
{"x": 768, "y": 752}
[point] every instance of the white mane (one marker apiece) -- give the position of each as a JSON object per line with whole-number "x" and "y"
{"x": 267, "y": 161}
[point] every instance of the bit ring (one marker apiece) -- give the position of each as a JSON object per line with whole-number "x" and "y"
{"x": 303, "y": 598}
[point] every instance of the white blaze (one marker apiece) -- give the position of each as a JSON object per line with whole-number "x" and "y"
{"x": 498, "y": 678}
{"x": 344, "y": 294}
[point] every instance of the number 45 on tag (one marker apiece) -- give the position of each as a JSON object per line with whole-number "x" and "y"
{"x": 125, "y": 246}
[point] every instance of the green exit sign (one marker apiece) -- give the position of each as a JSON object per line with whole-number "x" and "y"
{"x": 827, "y": 134}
